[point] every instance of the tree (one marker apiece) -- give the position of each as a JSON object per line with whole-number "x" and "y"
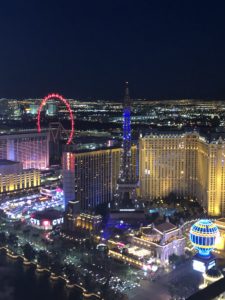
{"x": 35, "y": 235}
{"x": 26, "y": 231}
{"x": 17, "y": 226}
{"x": 56, "y": 268}
{"x": 43, "y": 259}
{"x": 88, "y": 281}
{"x": 173, "y": 258}
{"x": 171, "y": 199}
{"x": 12, "y": 240}
{"x": 106, "y": 287}
{"x": 28, "y": 251}
{"x": 2, "y": 239}
{"x": 215, "y": 122}
{"x": 72, "y": 273}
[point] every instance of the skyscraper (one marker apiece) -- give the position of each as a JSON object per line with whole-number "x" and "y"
{"x": 127, "y": 183}
{"x": 28, "y": 147}
{"x": 187, "y": 165}
{"x": 90, "y": 177}
{"x": 14, "y": 178}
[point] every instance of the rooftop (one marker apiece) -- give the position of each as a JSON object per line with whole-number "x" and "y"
{"x": 140, "y": 252}
{"x": 6, "y": 162}
{"x": 148, "y": 230}
{"x": 165, "y": 227}
{"x": 50, "y": 214}
{"x": 7, "y": 131}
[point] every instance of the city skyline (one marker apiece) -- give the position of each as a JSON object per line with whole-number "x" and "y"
{"x": 112, "y": 150}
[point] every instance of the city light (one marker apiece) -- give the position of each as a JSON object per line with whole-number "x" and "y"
{"x": 59, "y": 97}
{"x": 203, "y": 235}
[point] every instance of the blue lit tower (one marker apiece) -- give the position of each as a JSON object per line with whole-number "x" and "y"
{"x": 126, "y": 191}
{"x": 126, "y": 171}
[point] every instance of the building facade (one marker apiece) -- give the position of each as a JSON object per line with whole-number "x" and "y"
{"x": 162, "y": 240}
{"x": 220, "y": 243}
{"x": 10, "y": 167}
{"x": 149, "y": 246}
{"x": 30, "y": 148}
{"x": 187, "y": 165}
{"x": 13, "y": 178}
{"x": 91, "y": 177}
{"x": 88, "y": 222}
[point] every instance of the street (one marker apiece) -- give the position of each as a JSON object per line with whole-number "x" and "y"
{"x": 182, "y": 282}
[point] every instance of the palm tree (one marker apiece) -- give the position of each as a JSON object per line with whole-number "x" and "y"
{"x": 12, "y": 241}
{"x": 56, "y": 268}
{"x": 2, "y": 239}
{"x": 43, "y": 259}
{"x": 28, "y": 251}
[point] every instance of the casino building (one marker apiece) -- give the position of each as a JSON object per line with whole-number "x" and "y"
{"x": 220, "y": 245}
{"x": 30, "y": 148}
{"x": 151, "y": 246}
{"x": 90, "y": 177}
{"x": 47, "y": 219}
{"x": 14, "y": 178}
{"x": 186, "y": 164}
{"x": 162, "y": 240}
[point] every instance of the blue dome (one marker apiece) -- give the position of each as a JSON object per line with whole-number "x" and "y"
{"x": 203, "y": 236}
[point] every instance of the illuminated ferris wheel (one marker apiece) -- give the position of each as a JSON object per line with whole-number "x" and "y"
{"x": 63, "y": 100}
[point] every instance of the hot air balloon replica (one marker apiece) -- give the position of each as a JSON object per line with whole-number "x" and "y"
{"x": 203, "y": 235}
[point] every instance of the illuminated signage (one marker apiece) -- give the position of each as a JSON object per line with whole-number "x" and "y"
{"x": 46, "y": 223}
{"x": 199, "y": 266}
{"x": 202, "y": 267}
{"x": 57, "y": 221}
{"x": 154, "y": 268}
{"x": 211, "y": 264}
{"x": 35, "y": 221}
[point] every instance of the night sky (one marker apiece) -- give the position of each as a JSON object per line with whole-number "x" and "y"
{"x": 165, "y": 49}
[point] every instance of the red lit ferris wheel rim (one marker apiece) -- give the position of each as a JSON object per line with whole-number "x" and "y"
{"x": 59, "y": 97}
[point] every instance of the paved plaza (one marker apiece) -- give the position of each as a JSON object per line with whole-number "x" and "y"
{"x": 181, "y": 282}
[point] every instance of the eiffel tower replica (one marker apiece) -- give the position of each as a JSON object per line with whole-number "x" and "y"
{"x": 125, "y": 196}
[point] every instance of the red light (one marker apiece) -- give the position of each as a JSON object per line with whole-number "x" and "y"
{"x": 46, "y": 223}
{"x": 119, "y": 244}
{"x": 68, "y": 108}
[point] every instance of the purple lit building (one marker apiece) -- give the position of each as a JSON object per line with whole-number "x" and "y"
{"x": 29, "y": 148}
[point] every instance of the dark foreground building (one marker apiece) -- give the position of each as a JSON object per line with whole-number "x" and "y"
{"x": 215, "y": 291}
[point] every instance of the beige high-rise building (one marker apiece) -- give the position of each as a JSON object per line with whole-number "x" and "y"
{"x": 14, "y": 178}
{"x": 185, "y": 164}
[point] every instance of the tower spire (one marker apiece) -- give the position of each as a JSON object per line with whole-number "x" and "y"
{"x": 126, "y": 88}
{"x": 127, "y": 101}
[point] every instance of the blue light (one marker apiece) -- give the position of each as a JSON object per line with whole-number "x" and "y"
{"x": 126, "y": 124}
{"x": 125, "y": 175}
{"x": 203, "y": 236}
